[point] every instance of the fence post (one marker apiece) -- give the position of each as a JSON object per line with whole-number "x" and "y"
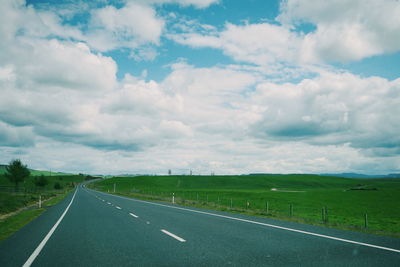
{"x": 366, "y": 221}
{"x": 326, "y": 215}
{"x": 173, "y": 198}
{"x": 114, "y": 188}
{"x": 40, "y": 201}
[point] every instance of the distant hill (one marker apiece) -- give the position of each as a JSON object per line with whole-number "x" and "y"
{"x": 362, "y": 176}
{"x": 35, "y": 172}
{"x": 343, "y": 175}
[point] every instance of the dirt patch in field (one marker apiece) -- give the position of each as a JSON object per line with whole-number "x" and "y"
{"x": 288, "y": 191}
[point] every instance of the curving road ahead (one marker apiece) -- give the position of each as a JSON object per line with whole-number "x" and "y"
{"x": 91, "y": 228}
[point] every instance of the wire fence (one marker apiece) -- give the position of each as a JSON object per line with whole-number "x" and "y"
{"x": 298, "y": 212}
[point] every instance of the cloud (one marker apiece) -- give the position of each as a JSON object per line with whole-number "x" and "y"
{"x": 334, "y": 108}
{"x": 346, "y": 30}
{"x": 195, "y": 3}
{"x": 62, "y": 105}
{"x": 129, "y": 26}
{"x": 261, "y": 43}
{"x": 16, "y": 136}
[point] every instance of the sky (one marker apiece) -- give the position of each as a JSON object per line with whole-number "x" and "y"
{"x": 222, "y": 86}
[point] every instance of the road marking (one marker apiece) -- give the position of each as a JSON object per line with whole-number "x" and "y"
{"x": 265, "y": 224}
{"x": 174, "y": 236}
{"x": 117, "y": 207}
{"x": 108, "y": 203}
{"x": 133, "y": 215}
{"x": 36, "y": 252}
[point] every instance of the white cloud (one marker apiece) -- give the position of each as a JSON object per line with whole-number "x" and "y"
{"x": 335, "y": 108}
{"x": 347, "y": 30}
{"x": 195, "y": 3}
{"x": 261, "y": 44}
{"x": 130, "y": 26}
{"x": 62, "y": 107}
{"x": 175, "y": 129}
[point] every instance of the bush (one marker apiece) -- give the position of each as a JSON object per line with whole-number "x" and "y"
{"x": 41, "y": 181}
{"x": 57, "y": 186}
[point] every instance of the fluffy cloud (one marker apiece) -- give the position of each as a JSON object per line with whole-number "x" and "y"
{"x": 346, "y": 30}
{"x": 195, "y": 3}
{"x": 335, "y": 108}
{"x": 61, "y": 99}
{"x": 130, "y": 26}
{"x": 261, "y": 44}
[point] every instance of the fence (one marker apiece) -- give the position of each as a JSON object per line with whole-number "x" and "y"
{"x": 322, "y": 215}
{"x": 20, "y": 189}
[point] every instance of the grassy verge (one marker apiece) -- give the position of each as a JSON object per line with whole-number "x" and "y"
{"x": 328, "y": 201}
{"x": 13, "y": 223}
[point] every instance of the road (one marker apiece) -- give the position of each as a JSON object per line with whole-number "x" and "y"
{"x": 100, "y": 229}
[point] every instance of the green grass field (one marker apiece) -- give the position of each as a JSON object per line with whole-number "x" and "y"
{"x": 296, "y": 197}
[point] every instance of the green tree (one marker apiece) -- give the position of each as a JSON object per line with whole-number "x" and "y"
{"x": 57, "y": 186}
{"x": 41, "y": 181}
{"x": 16, "y": 172}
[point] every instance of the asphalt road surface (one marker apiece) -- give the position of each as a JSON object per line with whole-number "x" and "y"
{"x": 89, "y": 228}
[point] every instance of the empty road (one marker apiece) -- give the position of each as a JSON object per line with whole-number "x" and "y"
{"x": 91, "y": 228}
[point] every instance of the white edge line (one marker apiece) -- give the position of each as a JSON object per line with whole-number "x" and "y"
{"x": 133, "y": 215}
{"x": 174, "y": 236}
{"x": 39, "y": 248}
{"x": 264, "y": 224}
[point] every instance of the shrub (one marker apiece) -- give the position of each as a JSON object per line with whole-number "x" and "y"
{"x": 57, "y": 186}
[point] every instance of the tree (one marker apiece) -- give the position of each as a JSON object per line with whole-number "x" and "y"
{"x": 16, "y": 172}
{"x": 41, "y": 181}
{"x": 57, "y": 186}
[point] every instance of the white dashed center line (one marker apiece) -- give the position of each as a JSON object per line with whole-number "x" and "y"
{"x": 118, "y": 207}
{"x": 174, "y": 236}
{"x": 133, "y": 215}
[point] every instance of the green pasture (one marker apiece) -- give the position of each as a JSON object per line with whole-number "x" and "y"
{"x": 290, "y": 197}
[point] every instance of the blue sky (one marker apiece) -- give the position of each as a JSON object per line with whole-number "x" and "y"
{"x": 135, "y": 86}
